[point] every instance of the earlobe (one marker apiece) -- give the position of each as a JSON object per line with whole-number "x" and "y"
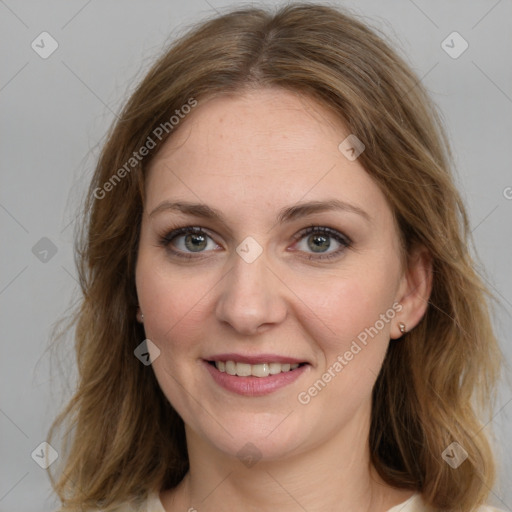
{"x": 414, "y": 292}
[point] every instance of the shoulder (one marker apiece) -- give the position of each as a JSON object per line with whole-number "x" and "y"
{"x": 151, "y": 504}
{"x": 416, "y": 504}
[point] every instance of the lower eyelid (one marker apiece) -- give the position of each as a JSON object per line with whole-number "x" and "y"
{"x": 326, "y": 255}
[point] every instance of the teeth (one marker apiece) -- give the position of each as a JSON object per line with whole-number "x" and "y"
{"x": 243, "y": 369}
{"x": 275, "y": 368}
{"x": 255, "y": 370}
{"x": 230, "y": 367}
{"x": 260, "y": 370}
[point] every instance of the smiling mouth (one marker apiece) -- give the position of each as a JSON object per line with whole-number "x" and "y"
{"x": 254, "y": 370}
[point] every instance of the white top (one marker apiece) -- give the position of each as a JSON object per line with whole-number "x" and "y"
{"x": 413, "y": 504}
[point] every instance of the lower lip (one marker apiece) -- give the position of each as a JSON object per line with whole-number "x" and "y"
{"x": 254, "y": 386}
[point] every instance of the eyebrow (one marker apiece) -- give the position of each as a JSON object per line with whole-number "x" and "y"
{"x": 286, "y": 214}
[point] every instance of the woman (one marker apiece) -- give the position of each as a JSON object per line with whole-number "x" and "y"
{"x": 280, "y": 311}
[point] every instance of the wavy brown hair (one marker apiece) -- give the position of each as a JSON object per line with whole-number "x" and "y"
{"x": 122, "y": 438}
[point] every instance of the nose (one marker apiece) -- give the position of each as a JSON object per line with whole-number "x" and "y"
{"x": 251, "y": 298}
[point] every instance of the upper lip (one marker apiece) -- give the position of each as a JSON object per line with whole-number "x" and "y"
{"x": 255, "y": 358}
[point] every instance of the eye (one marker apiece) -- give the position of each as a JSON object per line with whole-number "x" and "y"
{"x": 320, "y": 241}
{"x": 323, "y": 242}
{"x": 183, "y": 242}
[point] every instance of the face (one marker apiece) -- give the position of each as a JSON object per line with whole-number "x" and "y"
{"x": 290, "y": 255}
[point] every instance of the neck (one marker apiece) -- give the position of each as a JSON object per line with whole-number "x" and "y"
{"x": 336, "y": 475}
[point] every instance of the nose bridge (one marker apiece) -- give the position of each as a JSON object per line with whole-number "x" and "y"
{"x": 251, "y": 295}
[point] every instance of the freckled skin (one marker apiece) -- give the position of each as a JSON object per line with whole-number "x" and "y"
{"x": 249, "y": 156}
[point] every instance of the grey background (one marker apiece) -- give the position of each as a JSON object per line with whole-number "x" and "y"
{"x": 55, "y": 113}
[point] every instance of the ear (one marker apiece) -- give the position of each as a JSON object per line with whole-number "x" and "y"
{"x": 414, "y": 290}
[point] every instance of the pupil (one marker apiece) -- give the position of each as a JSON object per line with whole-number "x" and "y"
{"x": 195, "y": 242}
{"x": 320, "y": 242}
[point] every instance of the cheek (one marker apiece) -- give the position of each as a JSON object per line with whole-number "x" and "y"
{"x": 174, "y": 307}
{"x": 346, "y": 305}
{"x": 173, "y": 303}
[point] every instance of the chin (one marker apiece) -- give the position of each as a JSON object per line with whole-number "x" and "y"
{"x": 251, "y": 440}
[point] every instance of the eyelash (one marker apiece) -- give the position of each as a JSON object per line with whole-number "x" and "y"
{"x": 342, "y": 239}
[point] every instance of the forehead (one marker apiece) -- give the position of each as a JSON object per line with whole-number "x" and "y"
{"x": 251, "y": 124}
{"x": 259, "y": 150}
